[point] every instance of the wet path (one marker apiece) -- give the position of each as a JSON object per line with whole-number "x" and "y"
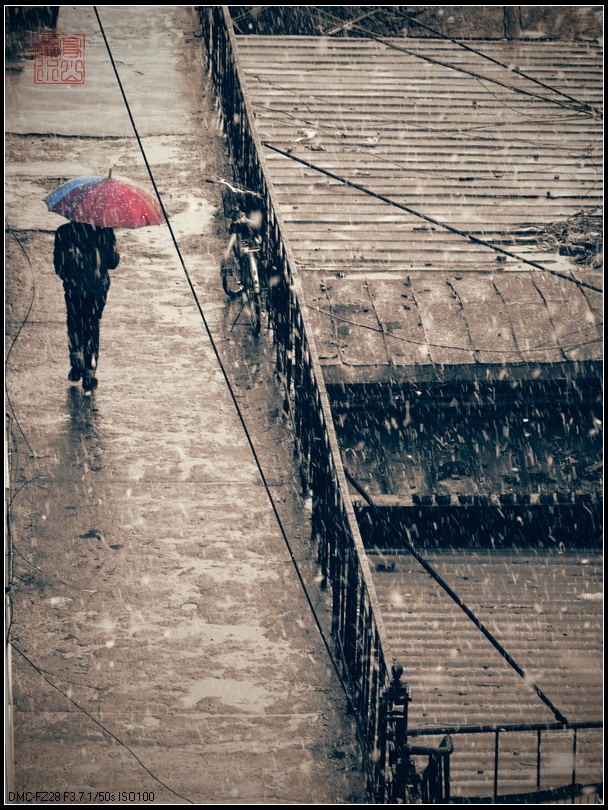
{"x": 163, "y": 643}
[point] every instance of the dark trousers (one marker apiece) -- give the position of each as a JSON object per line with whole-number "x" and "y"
{"x": 84, "y": 311}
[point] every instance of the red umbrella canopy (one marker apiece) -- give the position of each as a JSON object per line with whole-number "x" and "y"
{"x": 108, "y": 202}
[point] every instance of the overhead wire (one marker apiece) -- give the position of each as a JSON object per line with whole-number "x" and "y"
{"x": 387, "y": 521}
{"x": 469, "y": 133}
{"x": 539, "y": 118}
{"x": 410, "y": 18}
{"x": 104, "y": 729}
{"x": 338, "y": 135}
{"x": 469, "y": 349}
{"x": 228, "y": 383}
{"x": 460, "y": 135}
{"x": 443, "y": 133}
{"x": 13, "y": 419}
{"x": 16, "y": 337}
{"x": 432, "y": 220}
{"x": 29, "y": 562}
{"x": 521, "y": 91}
{"x": 339, "y": 132}
{"x": 350, "y": 23}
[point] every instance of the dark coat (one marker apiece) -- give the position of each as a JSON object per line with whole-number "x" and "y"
{"x": 83, "y": 255}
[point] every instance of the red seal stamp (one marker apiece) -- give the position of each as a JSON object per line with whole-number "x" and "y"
{"x": 59, "y": 59}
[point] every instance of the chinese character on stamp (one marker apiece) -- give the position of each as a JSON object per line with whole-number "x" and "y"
{"x": 59, "y": 59}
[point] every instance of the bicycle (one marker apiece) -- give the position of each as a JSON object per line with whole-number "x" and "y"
{"x": 239, "y": 271}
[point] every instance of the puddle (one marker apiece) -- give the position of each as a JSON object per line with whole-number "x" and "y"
{"x": 159, "y": 150}
{"x": 194, "y": 220}
{"x": 239, "y": 694}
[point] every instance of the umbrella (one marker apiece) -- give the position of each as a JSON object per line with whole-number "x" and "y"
{"x": 108, "y": 202}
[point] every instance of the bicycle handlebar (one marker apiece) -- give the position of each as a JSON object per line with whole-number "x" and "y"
{"x": 242, "y": 191}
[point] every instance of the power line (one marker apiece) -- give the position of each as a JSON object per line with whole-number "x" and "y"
{"x": 387, "y": 43}
{"x": 454, "y": 596}
{"x": 350, "y": 23}
{"x": 472, "y": 73}
{"x": 491, "y": 59}
{"x": 456, "y": 134}
{"x": 470, "y": 349}
{"x": 475, "y": 239}
{"x": 338, "y": 134}
{"x": 229, "y": 385}
{"x": 23, "y": 322}
{"x": 101, "y": 726}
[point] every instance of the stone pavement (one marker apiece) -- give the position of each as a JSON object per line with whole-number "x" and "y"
{"x": 162, "y": 645}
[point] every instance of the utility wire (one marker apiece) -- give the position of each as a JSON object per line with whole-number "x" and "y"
{"x": 475, "y": 239}
{"x": 14, "y": 550}
{"x": 338, "y": 135}
{"x": 437, "y": 33}
{"x": 23, "y": 322}
{"x": 101, "y": 726}
{"x": 469, "y": 349}
{"x": 454, "y": 596}
{"x": 472, "y": 73}
{"x": 11, "y": 549}
{"x": 459, "y": 135}
{"x": 228, "y": 383}
{"x": 351, "y": 22}
{"x": 478, "y": 132}
{"x": 389, "y": 44}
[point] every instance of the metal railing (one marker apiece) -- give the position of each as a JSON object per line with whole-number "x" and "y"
{"x": 433, "y": 783}
{"x": 379, "y": 701}
{"x": 408, "y": 785}
{"x": 356, "y": 619}
{"x": 541, "y": 732}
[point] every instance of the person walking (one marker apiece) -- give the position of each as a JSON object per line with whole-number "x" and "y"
{"x": 83, "y": 255}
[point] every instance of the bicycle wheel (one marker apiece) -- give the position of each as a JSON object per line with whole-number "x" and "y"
{"x": 231, "y": 278}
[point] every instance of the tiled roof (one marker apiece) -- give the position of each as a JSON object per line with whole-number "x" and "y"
{"x": 544, "y": 608}
{"x": 467, "y": 144}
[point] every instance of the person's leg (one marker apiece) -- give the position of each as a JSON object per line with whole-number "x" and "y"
{"x": 95, "y": 305}
{"x": 73, "y": 305}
